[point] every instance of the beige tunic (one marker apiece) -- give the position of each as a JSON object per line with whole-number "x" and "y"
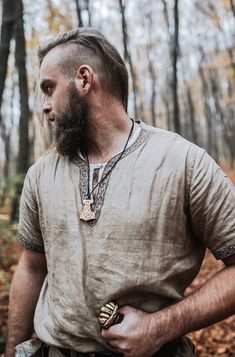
{"x": 165, "y": 201}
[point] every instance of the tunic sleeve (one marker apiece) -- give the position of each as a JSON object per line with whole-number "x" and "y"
{"x": 29, "y": 232}
{"x": 212, "y": 205}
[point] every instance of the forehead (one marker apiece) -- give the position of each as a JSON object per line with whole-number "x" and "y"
{"x": 50, "y": 67}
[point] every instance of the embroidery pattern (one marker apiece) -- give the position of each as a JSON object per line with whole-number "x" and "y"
{"x": 225, "y": 252}
{"x": 27, "y": 244}
{"x": 144, "y": 134}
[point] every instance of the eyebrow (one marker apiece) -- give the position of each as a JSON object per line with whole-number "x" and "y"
{"x": 46, "y": 83}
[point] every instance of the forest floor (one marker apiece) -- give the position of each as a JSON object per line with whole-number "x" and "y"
{"x": 217, "y": 340}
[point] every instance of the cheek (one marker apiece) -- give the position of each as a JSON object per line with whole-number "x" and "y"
{"x": 59, "y": 102}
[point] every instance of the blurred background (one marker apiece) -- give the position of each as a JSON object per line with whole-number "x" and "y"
{"x": 181, "y": 59}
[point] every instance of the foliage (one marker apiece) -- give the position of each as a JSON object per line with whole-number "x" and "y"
{"x": 9, "y": 252}
{"x": 11, "y": 193}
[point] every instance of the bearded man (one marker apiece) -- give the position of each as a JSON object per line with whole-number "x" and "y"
{"x": 118, "y": 211}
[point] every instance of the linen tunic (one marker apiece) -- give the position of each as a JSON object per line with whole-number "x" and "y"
{"x": 165, "y": 201}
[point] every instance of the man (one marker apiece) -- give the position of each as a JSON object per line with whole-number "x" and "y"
{"x": 118, "y": 211}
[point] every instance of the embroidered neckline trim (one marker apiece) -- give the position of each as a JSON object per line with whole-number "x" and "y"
{"x": 143, "y": 136}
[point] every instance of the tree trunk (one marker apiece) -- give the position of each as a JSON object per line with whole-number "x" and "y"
{"x": 192, "y": 117}
{"x": 168, "y": 113}
{"x": 127, "y": 56}
{"x": 232, "y": 6}
{"x": 20, "y": 53}
{"x": 175, "y": 53}
{"x": 5, "y": 135}
{"x": 79, "y": 13}
{"x": 153, "y": 94}
{"x": 7, "y": 156}
{"x": 208, "y": 114}
{"x": 88, "y": 9}
{"x": 166, "y": 16}
{"x": 8, "y": 20}
{"x": 228, "y": 125}
{"x": 152, "y": 73}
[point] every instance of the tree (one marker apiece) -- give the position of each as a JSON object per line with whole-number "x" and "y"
{"x": 79, "y": 13}
{"x": 191, "y": 111}
{"x": 9, "y": 16}
{"x": 151, "y": 69}
{"x": 174, "y": 56}
{"x": 127, "y": 55}
{"x": 20, "y": 55}
{"x": 208, "y": 114}
{"x": 228, "y": 126}
{"x": 88, "y": 9}
{"x": 232, "y": 6}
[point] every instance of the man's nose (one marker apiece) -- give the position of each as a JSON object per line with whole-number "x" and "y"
{"x": 46, "y": 107}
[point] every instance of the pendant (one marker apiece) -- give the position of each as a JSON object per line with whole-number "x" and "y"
{"x": 87, "y": 214}
{"x": 109, "y": 315}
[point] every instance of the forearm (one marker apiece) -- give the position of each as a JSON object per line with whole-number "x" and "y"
{"x": 143, "y": 334}
{"x": 25, "y": 289}
{"x": 213, "y": 302}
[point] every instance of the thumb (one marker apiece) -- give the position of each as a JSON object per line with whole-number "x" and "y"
{"x": 125, "y": 309}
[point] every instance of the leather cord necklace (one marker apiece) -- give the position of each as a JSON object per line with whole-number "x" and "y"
{"x": 87, "y": 214}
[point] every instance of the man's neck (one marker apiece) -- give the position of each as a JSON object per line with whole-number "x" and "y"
{"x": 109, "y": 130}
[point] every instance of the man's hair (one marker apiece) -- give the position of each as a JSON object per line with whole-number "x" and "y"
{"x": 88, "y": 46}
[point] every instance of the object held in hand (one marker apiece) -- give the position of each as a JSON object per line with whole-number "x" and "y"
{"x": 109, "y": 315}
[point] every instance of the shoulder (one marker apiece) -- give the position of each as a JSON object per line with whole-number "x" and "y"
{"x": 44, "y": 166}
{"x": 47, "y": 161}
{"x": 172, "y": 145}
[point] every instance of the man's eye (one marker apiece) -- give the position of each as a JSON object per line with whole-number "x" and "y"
{"x": 48, "y": 90}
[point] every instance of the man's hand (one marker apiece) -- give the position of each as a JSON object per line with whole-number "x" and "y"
{"x": 25, "y": 289}
{"x": 135, "y": 336}
{"x": 142, "y": 334}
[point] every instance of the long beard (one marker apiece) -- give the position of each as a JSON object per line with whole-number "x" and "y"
{"x": 71, "y": 127}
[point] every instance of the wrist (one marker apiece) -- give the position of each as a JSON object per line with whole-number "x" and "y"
{"x": 167, "y": 324}
{"x": 10, "y": 350}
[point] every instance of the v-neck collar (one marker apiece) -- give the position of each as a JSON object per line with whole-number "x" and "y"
{"x": 144, "y": 134}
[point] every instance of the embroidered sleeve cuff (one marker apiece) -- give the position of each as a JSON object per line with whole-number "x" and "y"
{"x": 28, "y": 244}
{"x": 225, "y": 252}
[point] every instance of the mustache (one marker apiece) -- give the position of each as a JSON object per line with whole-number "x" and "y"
{"x": 51, "y": 117}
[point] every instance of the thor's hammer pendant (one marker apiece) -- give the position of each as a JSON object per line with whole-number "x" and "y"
{"x": 109, "y": 315}
{"x": 87, "y": 214}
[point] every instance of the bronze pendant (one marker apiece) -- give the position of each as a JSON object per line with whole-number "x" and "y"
{"x": 87, "y": 214}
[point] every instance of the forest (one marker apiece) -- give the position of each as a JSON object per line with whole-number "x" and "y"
{"x": 180, "y": 56}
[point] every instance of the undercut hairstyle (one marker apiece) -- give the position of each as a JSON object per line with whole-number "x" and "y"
{"x": 88, "y": 46}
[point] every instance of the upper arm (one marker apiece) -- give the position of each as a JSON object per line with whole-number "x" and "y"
{"x": 212, "y": 208}
{"x": 33, "y": 262}
{"x": 29, "y": 229}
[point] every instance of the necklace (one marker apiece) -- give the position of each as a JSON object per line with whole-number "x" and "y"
{"x": 87, "y": 213}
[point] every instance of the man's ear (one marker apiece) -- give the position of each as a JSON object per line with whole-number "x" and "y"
{"x": 84, "y": 79}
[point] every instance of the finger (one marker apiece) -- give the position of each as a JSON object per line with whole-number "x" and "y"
{"x": 126, "y": 309}
{"x": 108, "y": 334}
{"x": 113, "y": 332}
